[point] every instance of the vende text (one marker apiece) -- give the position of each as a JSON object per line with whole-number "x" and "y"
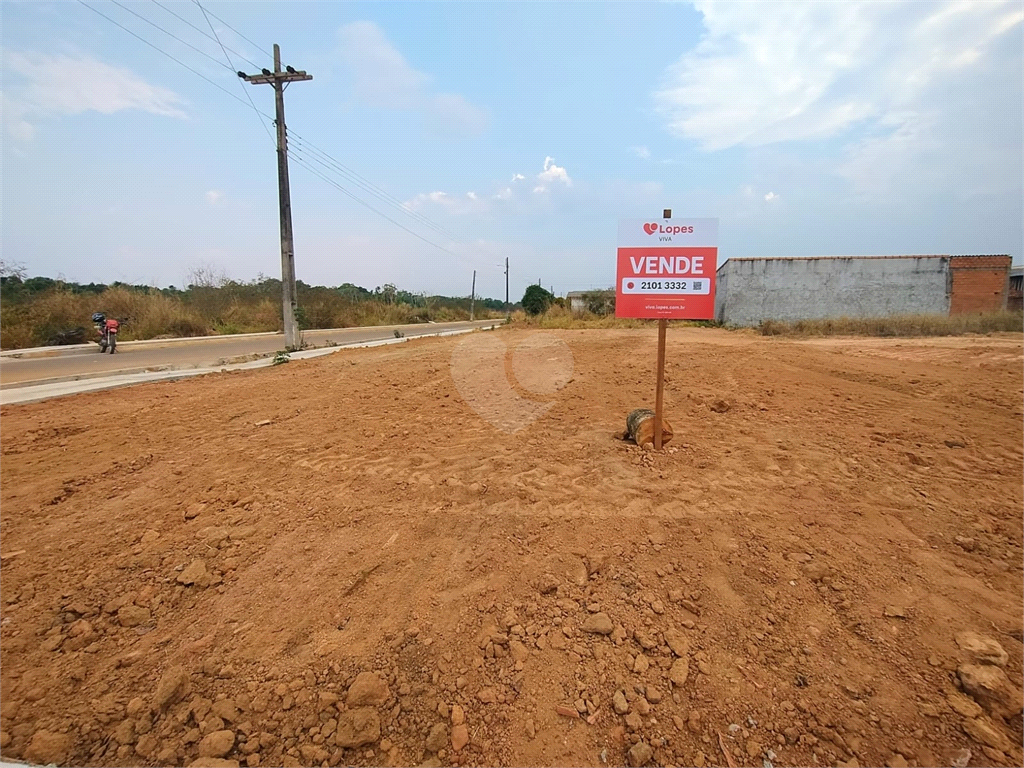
{"x": 667, "y": 265}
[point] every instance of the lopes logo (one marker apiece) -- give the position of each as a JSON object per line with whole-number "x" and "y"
{"x": 541, "y": 365}
{"x": 653, "y": 227}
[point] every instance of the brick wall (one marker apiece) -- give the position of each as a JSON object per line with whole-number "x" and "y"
{"x": 979, "y": 283}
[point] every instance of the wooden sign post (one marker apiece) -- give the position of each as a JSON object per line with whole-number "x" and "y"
{"x": 666, "y": 270}
{"x": 659, "y": 387}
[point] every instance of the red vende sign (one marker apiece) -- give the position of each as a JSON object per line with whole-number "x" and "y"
{"x": 666, "y": 268}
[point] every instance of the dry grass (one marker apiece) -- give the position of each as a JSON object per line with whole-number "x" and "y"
{"x": 561, "y": 318}
{"x": 34, "y": 320}
{"x": 903, "y": 325}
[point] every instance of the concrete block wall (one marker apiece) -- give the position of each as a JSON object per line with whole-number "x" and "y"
{"x": 979, "y": 284}
{"x": 752, "y": 290}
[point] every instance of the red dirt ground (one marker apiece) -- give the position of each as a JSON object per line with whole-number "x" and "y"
{"x": 791, "y": 580}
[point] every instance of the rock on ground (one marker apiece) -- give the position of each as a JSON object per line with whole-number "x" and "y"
{"x": 172, "y": 688}
{"x": 358, "y": 727}
{"x": 217, "y": 744}
{"x": 598, "y": 624}
{"x": 226, "y": 710}
{"x": 518, "y": 651}
{"x": 982, "y": 649}
{"x": 991, "y": 688}
{"x": 195, "y": 573}
{"x": 675, "y": 640}
{"x": 132, "y": 615}
{"x": 639, "y": 754}
{"x": 47, "y": 747}
{"x": 679, "y": 672}
{"x": 619, "y": 703}
{"x": 460, "y": 737}
{"x": 986, "y": 733}
{"x": 438, "y": 737}
{"x": 368, "y": 689}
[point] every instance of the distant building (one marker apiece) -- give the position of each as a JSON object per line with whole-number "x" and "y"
{"x": 597, "y": 301}
{"x": 788, "y": 289}
{"x": 577, "y": 302}
{"x": 1015, "y": 297}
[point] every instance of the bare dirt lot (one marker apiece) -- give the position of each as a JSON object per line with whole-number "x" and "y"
{"x": 340, "y": 562}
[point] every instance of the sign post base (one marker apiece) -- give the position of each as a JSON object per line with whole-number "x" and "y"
{"x": 660, "y": 388}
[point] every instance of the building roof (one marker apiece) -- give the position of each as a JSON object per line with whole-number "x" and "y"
{"x": 721, "y": 266}
{"x": 898, "y": 256}
{"x": 837, "y": 258}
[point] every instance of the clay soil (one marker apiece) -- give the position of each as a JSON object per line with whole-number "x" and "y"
{"x": 785, "y": 582}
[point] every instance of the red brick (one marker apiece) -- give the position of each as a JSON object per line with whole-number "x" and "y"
{"x": 979, "y": 283}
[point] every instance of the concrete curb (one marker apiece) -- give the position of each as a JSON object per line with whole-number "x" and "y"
{"x": 87, "y": 376}
{"x": 36, "y": 392}
{"x": 77, "y": 349}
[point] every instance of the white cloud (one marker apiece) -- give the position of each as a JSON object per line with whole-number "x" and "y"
{"x": 66, "y": 85}
{"x": 214, "y": 196}
{"x": 454, "y": 204}
{"x": 382, "y": 78}
{"x": 770, "y": 196}
{"x": 473, "y": 202}
{"x": 12, "y": 116}
{"x": 642, "y": 152}
{"x": 554, "y": 172}
{"x": 814, "y": 70}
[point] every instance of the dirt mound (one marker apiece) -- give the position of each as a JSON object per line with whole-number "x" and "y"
{"x": 339, "y": 562}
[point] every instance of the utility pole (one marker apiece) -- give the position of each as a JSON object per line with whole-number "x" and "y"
{"x": 279, "y": 80}
{"x": 472, "y": 298}
{"x": 506, "y": 283}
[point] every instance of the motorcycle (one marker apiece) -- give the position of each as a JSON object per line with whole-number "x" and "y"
{"x": 107, "y": 329}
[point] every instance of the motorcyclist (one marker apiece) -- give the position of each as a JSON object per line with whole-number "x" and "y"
{"x": 107, "y": 329}
{"x": 99, "y": 320}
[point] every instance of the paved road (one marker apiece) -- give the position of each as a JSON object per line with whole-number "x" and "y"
{"x": 194, "y": 353}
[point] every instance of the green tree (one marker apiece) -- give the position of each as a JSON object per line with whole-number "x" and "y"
{"x": 536, "y": 300}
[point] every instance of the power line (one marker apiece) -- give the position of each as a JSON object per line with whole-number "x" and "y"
{"x": 369, "y": 186}
{"x": 250, "y": 42}
{"x": 232, "y": 66}
{"x": 165, "y": 53}
{"x": 326, "y": 160}
{"x": 304, "y": 163}
{"x": 309, "y": 146}
{"x": 154, "y": 24}
{"x": 351, "y": 175}
{"x": 197, "y": 29}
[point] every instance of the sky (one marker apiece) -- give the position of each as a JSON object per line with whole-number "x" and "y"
{"x": 497, "y": 130}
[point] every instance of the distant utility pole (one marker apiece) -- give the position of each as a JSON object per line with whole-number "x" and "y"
{"x": 279, "y": 80}
{"x": 506, "y": 283}
{"x": 472, "y": 298}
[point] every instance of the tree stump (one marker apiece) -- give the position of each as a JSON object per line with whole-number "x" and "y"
{"x": 640, "y": 427}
